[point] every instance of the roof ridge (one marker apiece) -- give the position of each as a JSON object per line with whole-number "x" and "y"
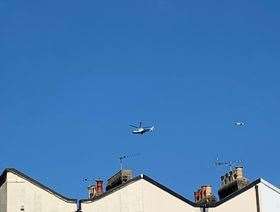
{"x": 173, "y": 193}
{"x": 139, "y": 177}
{"x": 271, "y": 186}
{"x": 35, "y": 182}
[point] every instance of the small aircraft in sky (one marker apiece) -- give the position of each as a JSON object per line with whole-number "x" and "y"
{"x": 141, "y": 130}
{"x": 239, "y": 123}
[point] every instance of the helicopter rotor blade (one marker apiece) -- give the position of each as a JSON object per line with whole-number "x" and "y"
{"x": 133, "y": 126}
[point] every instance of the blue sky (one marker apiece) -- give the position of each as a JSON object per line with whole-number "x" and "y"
{"x": 75, "y": 74}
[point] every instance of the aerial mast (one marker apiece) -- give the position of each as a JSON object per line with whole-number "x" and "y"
{"x": 121, "y": 159}
{"x": 228, "y": 163}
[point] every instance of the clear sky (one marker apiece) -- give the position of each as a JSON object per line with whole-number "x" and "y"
{"x": 75, "y": 74}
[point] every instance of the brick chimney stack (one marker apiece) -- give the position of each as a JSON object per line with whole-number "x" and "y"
{"x": 204, "y": 195}
{"x": 232, "y": 181}
{"x": 99, "y": 187}
{"x": 95, "y": 190}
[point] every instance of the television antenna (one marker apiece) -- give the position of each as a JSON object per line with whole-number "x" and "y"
{"x": 121, "y": 158}
{"x": 228, "y": 163}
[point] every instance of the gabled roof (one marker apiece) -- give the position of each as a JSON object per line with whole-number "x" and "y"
{"x": 150, "y": 180}
{"x": 173, "y": 193}
{"x": 3, "y": 179}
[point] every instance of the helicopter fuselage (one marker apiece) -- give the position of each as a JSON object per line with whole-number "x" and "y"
{"x": 142, "y": 130}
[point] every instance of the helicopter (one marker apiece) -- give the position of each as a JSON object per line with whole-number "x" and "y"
{"x": 239, "y": 123}
{"x": 140, "y": 130}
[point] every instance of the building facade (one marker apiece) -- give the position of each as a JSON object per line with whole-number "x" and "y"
{"x": 19, "y": 193}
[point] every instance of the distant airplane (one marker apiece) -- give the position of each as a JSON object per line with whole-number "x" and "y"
{"x": 239, "y": 123}
{"x": 141, "y": 130}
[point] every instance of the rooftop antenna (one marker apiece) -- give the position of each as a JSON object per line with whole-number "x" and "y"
{"x": 228, "y": 163}
{"x": 121, "y": 158}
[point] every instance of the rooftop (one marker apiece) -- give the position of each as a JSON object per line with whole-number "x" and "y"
{"x": 3, "y": 178}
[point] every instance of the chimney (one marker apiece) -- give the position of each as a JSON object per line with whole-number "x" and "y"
{"x": 204, "y": 196}
{"x": 238, "y": 172}
{"x": 119, "y": 178}
{"x": 99, "y": 187}
{"x": 95, "y": 190}
{"x": 91, "y": 191}
{"x": 232, "y": 181}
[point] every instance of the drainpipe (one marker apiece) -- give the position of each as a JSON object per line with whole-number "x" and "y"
{"x": 257, "y": 198}
{"x": 204, "y": 208}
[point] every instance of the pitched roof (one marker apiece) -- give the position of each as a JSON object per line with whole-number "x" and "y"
{"x": 173, "y": 193}
{"x": 150, "y": 180}
{"x": 3, "y": 179}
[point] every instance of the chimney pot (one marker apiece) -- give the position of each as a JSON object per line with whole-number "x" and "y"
{"x": 91, "y": 191}
{"x": 232, "y": 181}
{"x": 99, "y": 187}
{"x": 204, "y": 195}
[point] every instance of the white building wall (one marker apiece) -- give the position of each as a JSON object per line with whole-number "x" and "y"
{"x": 126, "y": 199}
{"x": 269, "y": 197}
{"x": 156, "y": 199}
{"x": 244, "y": 202}
{"x": 3, "y": 198}
{"x": 22, "y": 193}
{"x": 139, "y": 196}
